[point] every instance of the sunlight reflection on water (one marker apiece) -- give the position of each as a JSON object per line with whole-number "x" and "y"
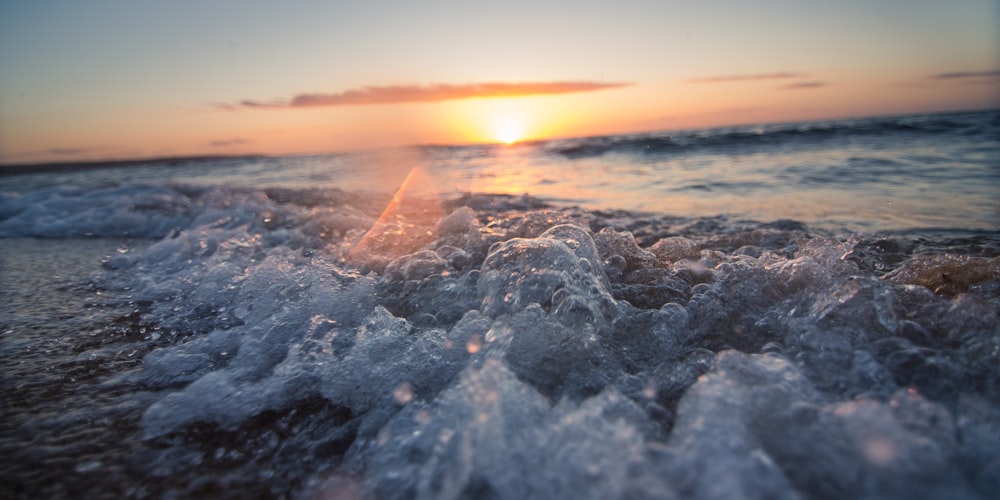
{"x": 868, "y": 175}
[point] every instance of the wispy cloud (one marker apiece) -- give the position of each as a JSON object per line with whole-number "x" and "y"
{"x": 960, "y": 75}
{"x": 747, "y": 78}
{"x": 224, "y": 143}
{"x": 394, "y": 94}
{"x": 803, "y": 85}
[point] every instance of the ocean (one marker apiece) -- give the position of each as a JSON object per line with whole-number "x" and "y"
{"x": 807, "y": 310}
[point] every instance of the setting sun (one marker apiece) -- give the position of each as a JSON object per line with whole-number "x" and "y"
{"x": 508, "y": 132}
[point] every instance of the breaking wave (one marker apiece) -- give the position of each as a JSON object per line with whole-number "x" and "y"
{"x": 309, "y": 343}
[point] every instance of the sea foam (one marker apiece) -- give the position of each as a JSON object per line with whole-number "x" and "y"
{"x": 550, "y": 352}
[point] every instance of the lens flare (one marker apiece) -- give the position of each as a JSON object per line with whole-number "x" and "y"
{"x": 406, "y": 224}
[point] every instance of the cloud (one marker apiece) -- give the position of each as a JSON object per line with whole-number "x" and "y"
{"x": 803, "y": 85}
{"x": 224, "y": 143}
{"x": 958, "y": 75}
{"x": 747, "y": 78}
{"x": 394, "y": 94}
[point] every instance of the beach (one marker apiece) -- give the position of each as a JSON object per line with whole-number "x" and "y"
{"x": 804, "y": 310}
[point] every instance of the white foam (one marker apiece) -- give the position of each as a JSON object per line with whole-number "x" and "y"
{"x": 519, "y": 353}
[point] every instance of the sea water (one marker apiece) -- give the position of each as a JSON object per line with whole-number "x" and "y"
{"x": 796, "y": 311}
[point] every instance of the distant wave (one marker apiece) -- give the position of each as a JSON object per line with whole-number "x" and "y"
{"x": 771, "y": 135}
{"x": 869, "y": 174}
{"x": 167, "y": 161}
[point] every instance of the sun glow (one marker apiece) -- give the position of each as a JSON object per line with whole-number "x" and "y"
{"x": 513, "y": 120}
{"x": 508, "y": 131}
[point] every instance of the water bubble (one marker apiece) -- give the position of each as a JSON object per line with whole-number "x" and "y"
{"x": 474, "y": 344}
{"x": 403, "y": 393}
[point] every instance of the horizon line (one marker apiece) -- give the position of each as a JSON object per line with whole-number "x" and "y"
{"x": 47, "y": 166}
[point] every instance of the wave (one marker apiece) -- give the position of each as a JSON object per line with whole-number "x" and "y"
{"x": 310, "y": 342}
{"x": 178, "y": 340}
{"x": 769, "y": 136}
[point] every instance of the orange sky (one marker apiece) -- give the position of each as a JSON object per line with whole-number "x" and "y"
{"x": 109, "y": 79}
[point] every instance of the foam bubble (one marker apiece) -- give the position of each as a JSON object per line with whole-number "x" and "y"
{"x": 514, "y": 351}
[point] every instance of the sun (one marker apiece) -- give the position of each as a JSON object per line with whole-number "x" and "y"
{"x": 497, "y": 121}
{"x": 508, "y": 131}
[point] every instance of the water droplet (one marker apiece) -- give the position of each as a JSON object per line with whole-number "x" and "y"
{"x": 403, "y": 393}
{"x": 475, "y": 343}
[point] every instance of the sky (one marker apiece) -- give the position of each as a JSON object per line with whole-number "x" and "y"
{"x": 132, "y": 79}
